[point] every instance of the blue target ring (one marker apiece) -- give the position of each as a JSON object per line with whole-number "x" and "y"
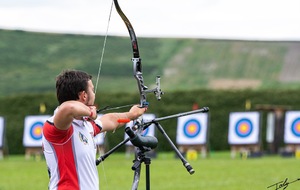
{"x": 243, "y": 128}
{"x": 296, "y": 127}
{"x": 192, "y": 128}
{"x": 36, "y": 130}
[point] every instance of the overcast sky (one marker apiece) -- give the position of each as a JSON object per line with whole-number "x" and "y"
{"x": 216, "y": 19}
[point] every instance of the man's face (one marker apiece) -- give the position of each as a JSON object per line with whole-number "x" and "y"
{"x": 90, "y": 94}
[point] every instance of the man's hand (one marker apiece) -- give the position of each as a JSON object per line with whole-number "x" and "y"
{"x": 93, "y": 114}
{"x": 136, "y": 112}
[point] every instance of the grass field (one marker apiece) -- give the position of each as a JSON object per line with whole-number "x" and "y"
{"x": 218, "y": 171}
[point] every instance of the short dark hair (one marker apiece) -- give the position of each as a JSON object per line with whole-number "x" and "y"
{"x": 69, "y": 83}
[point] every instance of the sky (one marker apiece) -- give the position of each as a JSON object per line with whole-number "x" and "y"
{"x": 212, "y": 19}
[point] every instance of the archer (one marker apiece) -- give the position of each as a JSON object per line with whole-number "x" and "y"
{"x": 68, "y": 136}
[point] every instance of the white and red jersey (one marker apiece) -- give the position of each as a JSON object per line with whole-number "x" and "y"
{"x": 71, "y": 155}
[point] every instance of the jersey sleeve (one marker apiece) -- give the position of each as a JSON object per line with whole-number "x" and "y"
{"x": 97, "y": 125}
{"x": 54, "y": 135}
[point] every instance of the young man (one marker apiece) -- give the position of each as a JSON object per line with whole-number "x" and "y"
{"x": 68, "y": 136}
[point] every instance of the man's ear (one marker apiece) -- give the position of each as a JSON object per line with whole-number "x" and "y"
{"x": 82, "y": 96}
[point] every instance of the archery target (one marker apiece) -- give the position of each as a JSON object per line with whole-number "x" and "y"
{"x": 33, "y": 130}
{"x": 192, "y": 129}
{"x": 292, "y": 127}
{"x": 150, "y": 131}
{"x": 2, "y": 125}
{"x": 243, "y": 128}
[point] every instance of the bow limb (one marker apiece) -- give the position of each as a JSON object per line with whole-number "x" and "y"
{"x": 133, "y": 38}
{"x": 137, "y": 62}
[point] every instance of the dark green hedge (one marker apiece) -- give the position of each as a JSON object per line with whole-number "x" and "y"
{"x": 221, "y": 103}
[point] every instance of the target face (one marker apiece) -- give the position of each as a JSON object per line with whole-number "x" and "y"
{"x": 33, "y": 130}
{"x": 243, "y": 128}
{"x": 36, "y": 130}
{"x": 296, "y": 127}
{"x": 192, "y": 128}
{"x": 292, "y": 127}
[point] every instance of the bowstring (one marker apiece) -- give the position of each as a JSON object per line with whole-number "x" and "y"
{"x": 103, "y": 49}
{"x": 97, "y": 82}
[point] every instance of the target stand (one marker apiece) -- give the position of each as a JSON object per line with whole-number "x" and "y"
{"x": 291, "y": 150}
{"x": 245, "y": 150}
{"x": 37, "y": 152}
{"x": 186, "y": 149}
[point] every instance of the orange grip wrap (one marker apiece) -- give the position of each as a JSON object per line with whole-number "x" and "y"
{"x": 123, "y": 120}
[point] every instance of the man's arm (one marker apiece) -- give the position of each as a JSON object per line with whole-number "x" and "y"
{"x": 70, "y": 110}
{"x": 110, "y": 121}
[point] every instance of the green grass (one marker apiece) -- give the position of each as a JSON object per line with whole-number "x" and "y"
{"x": 218, "y": 171}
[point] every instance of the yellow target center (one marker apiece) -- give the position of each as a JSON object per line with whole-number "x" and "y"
{"x": 298, "y": 127}
{"x": 244, "y": 128}
{"x": 192, "y": 128}
{"x": 38, "y": 130}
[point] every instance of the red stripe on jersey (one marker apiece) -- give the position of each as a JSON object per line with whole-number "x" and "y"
{"x": 97, "y": 128}
{"x": 61, "y": 142}
{"x": 68, "y": 178}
